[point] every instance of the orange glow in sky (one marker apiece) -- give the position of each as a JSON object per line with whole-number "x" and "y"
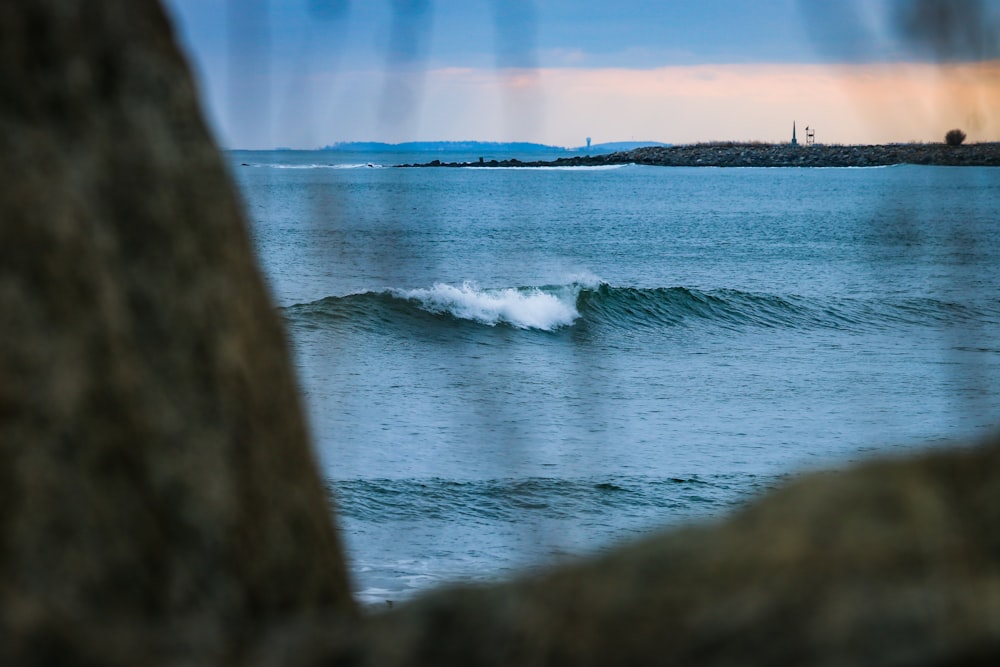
{"x": 556, "y": 72}
{"x": 877, "y": 103}
{"x": 848, "y": 104}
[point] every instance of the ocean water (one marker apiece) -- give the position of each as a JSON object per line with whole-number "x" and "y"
{"x": 505, "y": 368}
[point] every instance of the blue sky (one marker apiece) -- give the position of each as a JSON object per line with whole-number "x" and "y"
{"x": 305, "y": 73}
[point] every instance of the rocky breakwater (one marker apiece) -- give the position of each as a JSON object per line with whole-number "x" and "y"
{"x": 768, "y": 155}
{"x": 787, "y": 155}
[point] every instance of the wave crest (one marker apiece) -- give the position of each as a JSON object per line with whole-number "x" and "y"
{"x": 523, "y": 308}
{"x": 592, "y": 303}
{"x": 287, "y": 165}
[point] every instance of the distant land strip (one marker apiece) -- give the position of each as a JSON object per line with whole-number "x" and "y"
{"x": 767, "y": 155}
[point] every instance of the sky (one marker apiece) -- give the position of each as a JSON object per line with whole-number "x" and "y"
{"x": 308, "y": 73}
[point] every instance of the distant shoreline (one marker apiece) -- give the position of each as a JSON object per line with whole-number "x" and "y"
{"x": 766, "y": 155}
{"x": 483, "y": 147}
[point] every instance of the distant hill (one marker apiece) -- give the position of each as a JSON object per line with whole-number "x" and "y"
{"x": 481, "y": 146}
{"x": 618, "y": 146}
{"x": 442, "y": 147}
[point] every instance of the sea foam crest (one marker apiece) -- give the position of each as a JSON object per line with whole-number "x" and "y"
{"x": 524, "y": 308}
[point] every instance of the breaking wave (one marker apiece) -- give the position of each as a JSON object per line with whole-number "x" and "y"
{"x": 283, "y": 165}
{"x": 554, "y": 307}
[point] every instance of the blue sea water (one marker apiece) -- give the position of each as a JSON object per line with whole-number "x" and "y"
{"x": 508, "y": 367}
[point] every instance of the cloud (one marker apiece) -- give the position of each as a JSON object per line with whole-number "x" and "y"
{"x": 949, "y": 30}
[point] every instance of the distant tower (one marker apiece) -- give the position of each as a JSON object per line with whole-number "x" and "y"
{"x": 588, "y": 143}
{"x": 795, "y": 142}
{"x": 810, "y": 136}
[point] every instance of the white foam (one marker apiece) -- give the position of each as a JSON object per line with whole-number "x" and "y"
{"x": 585, "y": 279}
{"x": 378, "y": 597}
{"x": 522, "y": 308}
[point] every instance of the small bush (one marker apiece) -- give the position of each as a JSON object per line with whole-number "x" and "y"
{"x": 954, "y": 137}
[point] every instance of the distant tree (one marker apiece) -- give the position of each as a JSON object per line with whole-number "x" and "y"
{"x": 954, "y": 137}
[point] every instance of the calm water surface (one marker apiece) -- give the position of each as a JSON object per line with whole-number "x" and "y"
{"x": 506, "y": 367}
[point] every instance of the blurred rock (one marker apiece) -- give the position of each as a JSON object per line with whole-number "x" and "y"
{"x": 155, "y": 466}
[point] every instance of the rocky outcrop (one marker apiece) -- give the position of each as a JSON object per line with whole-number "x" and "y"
{"x": 786, "y": 155}
{"x": 155, "y": 470}
{"x": 769, "y": 155}
{"x": 159, "y": 504}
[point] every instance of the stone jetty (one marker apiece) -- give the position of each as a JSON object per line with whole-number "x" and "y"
{"x": 728, "y": 154}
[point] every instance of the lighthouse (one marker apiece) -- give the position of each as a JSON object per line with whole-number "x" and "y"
{"x": 795, "y": 142}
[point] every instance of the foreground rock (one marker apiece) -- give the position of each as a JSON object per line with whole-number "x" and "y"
{"x": 155, "y": 469}
{"x": 769, "y": 155}
{"x": 160, "y": 505}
